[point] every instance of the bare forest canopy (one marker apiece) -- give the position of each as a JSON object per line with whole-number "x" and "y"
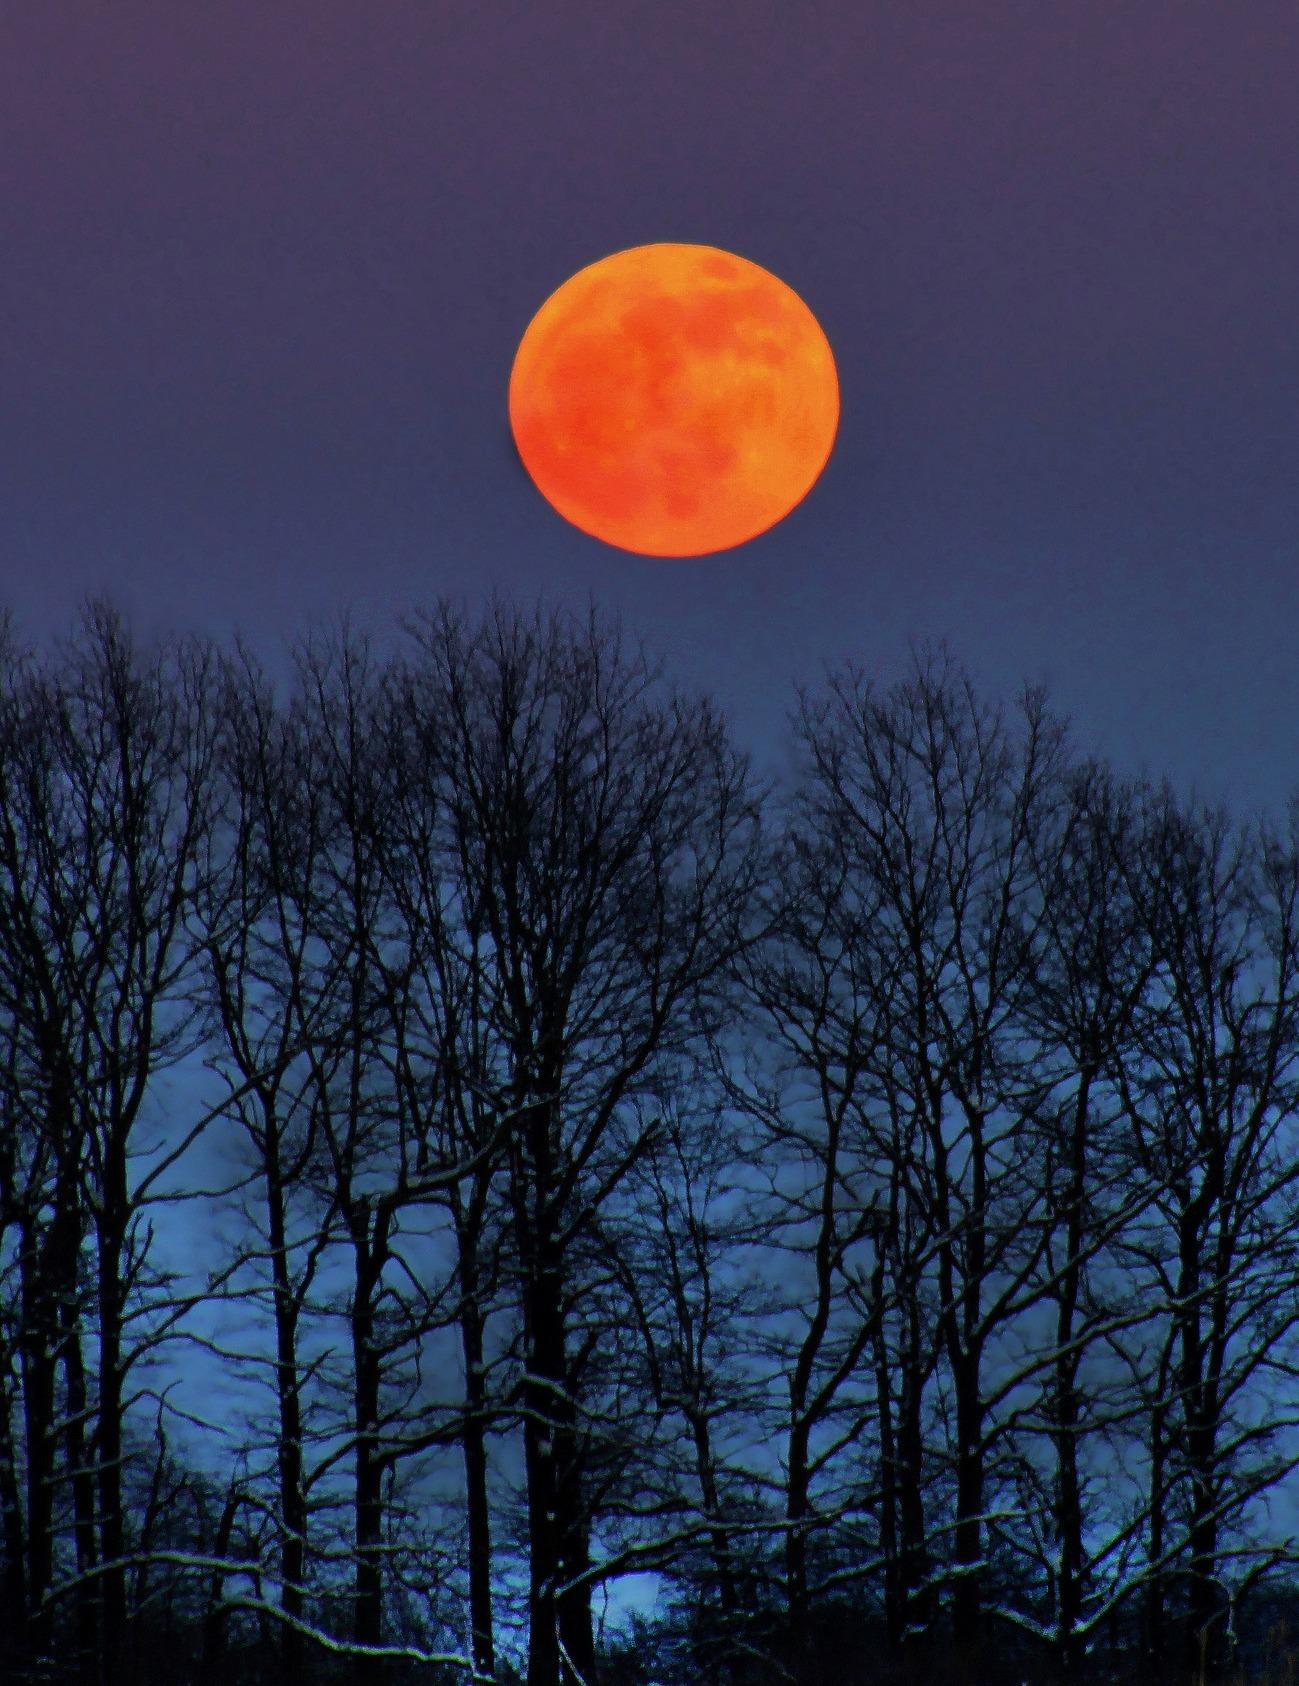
{"x": 490, "y": 1193}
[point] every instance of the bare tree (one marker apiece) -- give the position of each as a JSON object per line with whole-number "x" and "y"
{"x": 448, "y": 1080}
{"x": 42, "y": 1151}
{"x": 1093, "y": 970}
{"x": 104, "y": 838}
{"x": 820, "y": 995}
{"x": 263, "y": 986}
{"x": 934, "y": 804}
{"x": 372, "y": 1167}
{"x": 603, "y": 837}
{"x": 882, "y": 1232}
{"x": 312, "y": 984}
{"x": 687, "y": 1246}
{"x": 1211, "y": 1117}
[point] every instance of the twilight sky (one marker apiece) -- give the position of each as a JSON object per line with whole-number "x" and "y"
{"x": 265, "y": 267}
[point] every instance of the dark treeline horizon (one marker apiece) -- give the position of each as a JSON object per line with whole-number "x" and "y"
{"x": 468, "y": 1144}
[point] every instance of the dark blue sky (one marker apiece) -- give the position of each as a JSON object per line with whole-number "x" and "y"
{"x": 265, "y": 267}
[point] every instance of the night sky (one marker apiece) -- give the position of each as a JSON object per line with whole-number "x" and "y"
{"x": 265, "y": 268}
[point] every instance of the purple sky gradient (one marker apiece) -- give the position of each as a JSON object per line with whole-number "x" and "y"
{"x": 265, "y": 268}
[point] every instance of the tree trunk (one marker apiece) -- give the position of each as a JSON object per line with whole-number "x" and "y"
{"x": 1068, "y": 1519}
{"x": 48, "y": 1271}
{"x": 212, "y": 1654}
{"x": 907, "y": 1597}
{"x": 719, "y": 1539}
{"x": 1155, "y": 1621}
{"x": 37, "y": 1352}
{"x": 576, "y": 1628}
{"x": 1203, "y": 1607}
{"x": 798, "y": 1504}
{"x": 917, "y": 1597}
{"x": 13, "y": 1578}
{"x": 967, "y": 1614}
{"x": 83, "y": 1494}
{"x": 894, "y": 1611}
{"x": 543, "y": 1542}
{"x": 478, "y": 1515}
{"x": 561, "y": 1648}
{"x": 368, "y": 1620}
{"x": 1198, "y": 1414}
{"x": 1069, "y": 1510}
{"x": 112, "y": 1528}
{"x": 293, "y": 1507}
{"x": 797, "y": 1510}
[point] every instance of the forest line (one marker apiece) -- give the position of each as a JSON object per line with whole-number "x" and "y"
{"x": 865, "y": 1202}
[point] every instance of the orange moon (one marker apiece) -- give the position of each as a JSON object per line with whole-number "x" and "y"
{"x": 674, "y": 399}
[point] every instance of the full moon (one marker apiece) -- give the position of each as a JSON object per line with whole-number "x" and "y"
{"x": 674, "y": 399}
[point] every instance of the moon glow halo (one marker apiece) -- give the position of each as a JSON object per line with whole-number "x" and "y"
{"x": 674, "y": 399}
